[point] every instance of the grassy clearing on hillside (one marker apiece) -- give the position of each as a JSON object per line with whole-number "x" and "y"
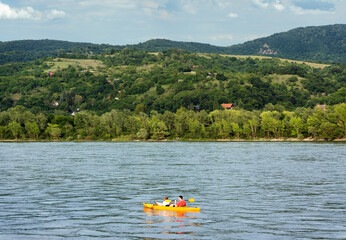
{"x": 16, "y": 96}
{"x": 314, "y": 65}
{"x": 284, "y": 79}
{"x": 65, "y": 63}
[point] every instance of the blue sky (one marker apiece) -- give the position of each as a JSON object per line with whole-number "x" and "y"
{"x": 218, "y": 22}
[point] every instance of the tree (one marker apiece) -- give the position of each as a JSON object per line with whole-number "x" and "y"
{"x": 17, "y": 114}
{"x": 41, "y": 121}
{"x": 181, "y": 121}
{"x": 15, "y": 129}
{"x": 53, "y": 131}
{"x": 340, "y": 111}
{"x": 270, "y": 122}
{"x": 254, "y": 124}
{"x": 3, "y": 132}
{"x": 140, "y": 108}
{"x": 195, "y": 128}
{"x": 159, "y": 89}
{"x": 169, "y": 119}
{"x": 67, "y": 131}
{"x": 236, "y": 129}
{"x": 32, "y": 130}
{"x": 84, "y": 123}
{"x": 142, "y": 134}
{"x": 328, "y": 131}
{"x": 296, "y": 124}
{"x": 247, "y": 130}
{"x": 158, "y": 129}
{"x": 314, "y": 122}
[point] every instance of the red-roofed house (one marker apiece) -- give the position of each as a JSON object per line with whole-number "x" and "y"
{"x": 227, "y": 105}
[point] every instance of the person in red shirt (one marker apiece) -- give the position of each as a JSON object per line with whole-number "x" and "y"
{"x": 181, "y": 202}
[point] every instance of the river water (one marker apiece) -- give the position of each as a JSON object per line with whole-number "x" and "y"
{"x": 95, "y": 190}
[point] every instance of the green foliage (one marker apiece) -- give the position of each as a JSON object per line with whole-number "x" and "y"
{"x": 314, "y": 123}
{"x": 165, "y": 82}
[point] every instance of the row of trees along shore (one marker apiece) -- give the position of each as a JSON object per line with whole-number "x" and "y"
{"x": 272, "y": 122}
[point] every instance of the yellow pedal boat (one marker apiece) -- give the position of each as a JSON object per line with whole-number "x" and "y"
{"x": 175, "y": 209}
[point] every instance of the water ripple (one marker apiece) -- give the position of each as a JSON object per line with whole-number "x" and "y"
{"x": 245, "y": 190}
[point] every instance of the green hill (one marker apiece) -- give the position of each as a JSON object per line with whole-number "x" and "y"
{"x": 129, "y": 94}
{"x": 28, "y": 50}
{"x": 167, "y": 81}
{"x": 159, "y": 45}
{"x": 322, "y": 43}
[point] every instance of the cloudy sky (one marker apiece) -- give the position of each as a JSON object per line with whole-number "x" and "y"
{"x": 218, "y": 22}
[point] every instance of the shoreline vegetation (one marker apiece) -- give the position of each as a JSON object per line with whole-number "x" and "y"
{"x": 272, "y": 124}
{"x": 288, "y": 140}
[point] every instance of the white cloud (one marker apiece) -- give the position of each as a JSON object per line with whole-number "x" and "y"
{"x": 163, "y": 14}
{"x": 233, "y": 15}
{"x": 300, "y": 11}
{"x": 153, "y": 8}
{"x": 150, "y": 4}
{"x": 190, "y": 8}
{"x": 222, "y": 37}
{"x": 307, "y": 7}
{"x": 260, "y": 3}
{"x": 110, "y": 3}
{"x": 8, "y": 12}
{"x": 55, "y": 14}
{"x": 278, "y": 6}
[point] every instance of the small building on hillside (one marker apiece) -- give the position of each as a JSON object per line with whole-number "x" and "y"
{"x": 197, "y": 107}
{"x": 322, "y": 106}
{"x": 50, "y": 73}
{"x": 227, "y": 105}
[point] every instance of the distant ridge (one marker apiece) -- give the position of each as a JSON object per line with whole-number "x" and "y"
{"x": 321, "y": 43}
{"x": 29, "y": 50}
{"x": 318, "y": 43}
{"x": 159, "y": 45}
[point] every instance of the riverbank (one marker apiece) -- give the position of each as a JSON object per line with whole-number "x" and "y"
{"x": 123, "y": 139}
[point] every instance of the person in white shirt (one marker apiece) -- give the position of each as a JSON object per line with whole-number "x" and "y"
{"x": 166, "y": 202}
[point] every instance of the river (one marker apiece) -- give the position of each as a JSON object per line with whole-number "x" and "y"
{"x": 246, "y": 190}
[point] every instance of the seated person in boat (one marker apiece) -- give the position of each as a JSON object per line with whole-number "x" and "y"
{"x": 166, "y": 202}
{"x": 181, "y": 202}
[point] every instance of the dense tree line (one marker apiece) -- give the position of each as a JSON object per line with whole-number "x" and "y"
{"x": 272, "y": 122}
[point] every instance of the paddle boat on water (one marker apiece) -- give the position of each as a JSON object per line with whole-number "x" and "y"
{"x": 172, "y": 207}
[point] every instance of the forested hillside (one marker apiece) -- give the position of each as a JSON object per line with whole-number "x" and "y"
{"x": 159, "y": 45}
{"x": 28, "y": 50}
{"x": 167, "y": 81}
{"x": 322, "y": 43}
{"x": 174, "y": 94}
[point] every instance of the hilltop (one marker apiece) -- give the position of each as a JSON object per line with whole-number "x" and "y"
{"x": 322, "y": 43}
{"x": 319, "y": 43}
